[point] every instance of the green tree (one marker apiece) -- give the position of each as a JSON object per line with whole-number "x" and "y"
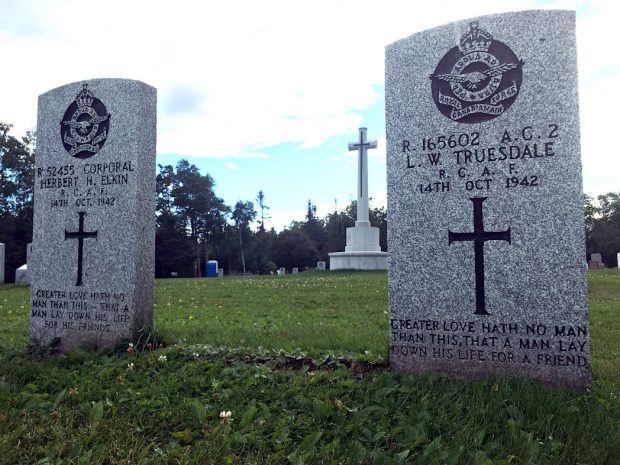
{"x": 16, "y": 196}
{"x": 242, "y": 215}
{"x": 603, "y": 227}
{"x": 336, "y": 225}
{"x": 293, "y": 248}
{"x": 261, "y": 250}
{"x": 378, "y": 218}
{"x": 314, "y": 228}
{"x": 173, "y": 248}
{"x": 590, "y": 212}
{"x": 189, "y": 197}
{"x": 264, "y": 210}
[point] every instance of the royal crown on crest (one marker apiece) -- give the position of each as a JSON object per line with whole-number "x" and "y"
{"x": 85, "y": 97}
{"x": 475, "y": 40}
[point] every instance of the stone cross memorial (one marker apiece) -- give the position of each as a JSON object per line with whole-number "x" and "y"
{"x": 362, "y": 250}
{"x": 486, "y": 230}
{"x": 94, "y": 215}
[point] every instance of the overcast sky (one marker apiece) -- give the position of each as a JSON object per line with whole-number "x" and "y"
{"x": 266, "y": 94}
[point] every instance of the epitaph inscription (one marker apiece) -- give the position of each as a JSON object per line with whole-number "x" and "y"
{"x": 493, "y": 135}
{"x": 94, "y": 214}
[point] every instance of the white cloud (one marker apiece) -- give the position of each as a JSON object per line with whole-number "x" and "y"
{"x": 239, "y": 76}
{"x": 282, "y": 218}
{"x": 231, "y": 166}
{"x": 232, "y": 77}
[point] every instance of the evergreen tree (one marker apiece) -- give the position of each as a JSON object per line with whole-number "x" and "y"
{"x": 16, "y": 197}
{"x": 243, "y": 214}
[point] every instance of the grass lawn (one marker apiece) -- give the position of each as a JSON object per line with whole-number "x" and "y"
{"x": 299, "y": 361}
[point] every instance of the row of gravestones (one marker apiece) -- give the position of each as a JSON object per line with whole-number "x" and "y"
{"x": 483, "y": 175}
{"x": 23, "y": 277}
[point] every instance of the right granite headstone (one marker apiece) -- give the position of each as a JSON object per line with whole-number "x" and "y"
{"x": 486, "y": 230}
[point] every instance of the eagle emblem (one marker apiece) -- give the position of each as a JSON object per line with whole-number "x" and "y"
{"x": 84, "y": 128}
{"x": 478, "y": 79}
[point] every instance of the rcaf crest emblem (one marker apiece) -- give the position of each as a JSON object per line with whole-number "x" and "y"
{"x": 85, "y": 126}
{"x": 478, "y": 79}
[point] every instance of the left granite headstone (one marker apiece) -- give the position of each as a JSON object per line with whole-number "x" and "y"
{"x": 94, "y": 215}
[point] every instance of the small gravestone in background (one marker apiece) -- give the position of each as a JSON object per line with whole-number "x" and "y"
{"x": 486, "y": 230}
{"x": 94, "y": 214}
{"x": 321, "y": 265}
{"x": 1, "y": 263}
{"x": 22, "y": 276}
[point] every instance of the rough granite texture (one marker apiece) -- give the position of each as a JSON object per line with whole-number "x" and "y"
{"x": 531, "y": 317}
{"x": 111, "y": 192}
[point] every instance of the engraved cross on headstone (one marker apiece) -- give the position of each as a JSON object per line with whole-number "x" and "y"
{"x": 479, "y": 237}
{"x": 80, "y": 235}
{"x": 362, "y": 182}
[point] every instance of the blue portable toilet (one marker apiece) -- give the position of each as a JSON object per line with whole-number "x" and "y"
{"x": 212, "y": 269}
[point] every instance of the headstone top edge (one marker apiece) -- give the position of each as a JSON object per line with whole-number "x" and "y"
{"x": 396, "y": 43}
{"x": 96, "y": 81}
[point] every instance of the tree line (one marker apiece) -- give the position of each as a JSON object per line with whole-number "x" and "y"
{"x": 194, "y": 225}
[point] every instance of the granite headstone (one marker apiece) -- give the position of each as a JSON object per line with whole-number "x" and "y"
{"x": 22, "y": 276}
{"x": 486, "y": 230}
{"x": 94, "y": 214}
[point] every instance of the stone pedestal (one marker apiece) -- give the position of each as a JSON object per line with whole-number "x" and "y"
{"x": 358, "y": 261}
{"x": 362, "y": 251}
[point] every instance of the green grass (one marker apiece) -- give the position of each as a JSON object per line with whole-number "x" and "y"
{"x": 232, "y": 344}
{"x": 310, "y": 311}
